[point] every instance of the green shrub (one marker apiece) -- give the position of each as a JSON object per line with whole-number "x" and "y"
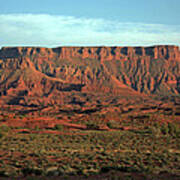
{"x": 1, "y": 135}
{"x": 174, "y": 129}
{"x": 4, "y": 130}
{"x": 36, "y": 128}
{"x": 113, "y": 124}
{"x": 93, "y": 126}
{"x": 156, "y": 131}
{"x": 170, "y": 129}
{"x": 32, "y": 171}
{"x": 33, "y": 178}
{"x": 164, "y": 129}
{"x": 58, "y": 127}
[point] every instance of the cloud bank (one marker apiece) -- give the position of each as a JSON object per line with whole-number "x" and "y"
{"x": 52, "y": 30}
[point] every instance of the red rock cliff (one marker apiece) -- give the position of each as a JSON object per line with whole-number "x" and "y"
{"x": 100, "y": 53}
{"x": 32, "y": 75}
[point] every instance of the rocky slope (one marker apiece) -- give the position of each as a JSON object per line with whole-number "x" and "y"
{"x": 51, "y": 86}
{"x": 34, "y": 76}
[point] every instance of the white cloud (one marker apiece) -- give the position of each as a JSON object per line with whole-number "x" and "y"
{"x": 53, "y": 30}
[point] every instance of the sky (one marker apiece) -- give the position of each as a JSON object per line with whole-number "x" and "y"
{"x": 52, "y": 23}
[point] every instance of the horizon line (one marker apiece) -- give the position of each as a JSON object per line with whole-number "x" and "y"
{"x": 88, "y": 46}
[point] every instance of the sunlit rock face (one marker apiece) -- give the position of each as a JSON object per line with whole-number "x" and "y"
{"x": 33, "y": 75}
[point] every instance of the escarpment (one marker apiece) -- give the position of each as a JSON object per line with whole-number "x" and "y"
{"x": 99, "y": 53}
{"x": 34, "y": 75}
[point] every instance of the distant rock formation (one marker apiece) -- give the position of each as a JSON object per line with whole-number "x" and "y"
{"x": 33, "y": 75}
{"x": 101, "y": 53}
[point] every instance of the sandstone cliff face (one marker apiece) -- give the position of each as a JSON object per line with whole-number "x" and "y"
{"x": 99, "y": 53}
{"x": 30, "y": 75}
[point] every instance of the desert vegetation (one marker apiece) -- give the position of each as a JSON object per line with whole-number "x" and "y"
{"x": 149, "y": 152}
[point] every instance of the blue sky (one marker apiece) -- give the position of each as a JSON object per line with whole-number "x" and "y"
{"x": 96, "y": 22}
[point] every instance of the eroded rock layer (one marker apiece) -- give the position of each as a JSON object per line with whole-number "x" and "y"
{"x": 34, "y": 76}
